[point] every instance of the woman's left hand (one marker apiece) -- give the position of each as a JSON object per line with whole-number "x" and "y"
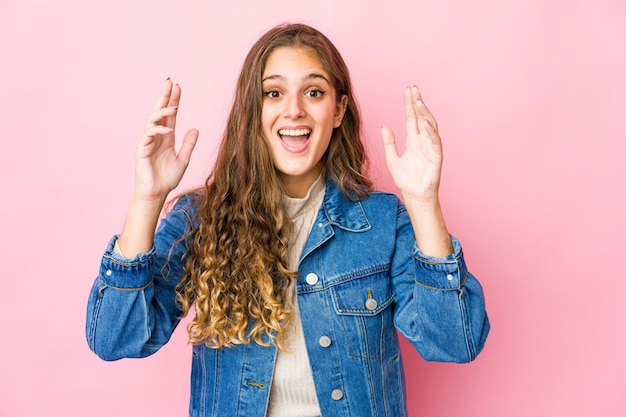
{"x": 417, "y": 172}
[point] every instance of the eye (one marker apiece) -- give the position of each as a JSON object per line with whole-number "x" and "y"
{"x": 272, "y": 94}
{"x": 315, "y": 93}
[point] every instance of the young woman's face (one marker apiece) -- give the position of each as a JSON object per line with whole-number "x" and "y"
{"x": 300, "y": 110}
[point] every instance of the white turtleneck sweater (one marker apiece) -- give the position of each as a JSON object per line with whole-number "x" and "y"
{"x": 293, "y": 391}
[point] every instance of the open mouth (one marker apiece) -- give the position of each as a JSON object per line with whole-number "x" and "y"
{"x": 295, "y": 140}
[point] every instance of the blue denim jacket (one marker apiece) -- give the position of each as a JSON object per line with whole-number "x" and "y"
{"x": 361, "y": 277}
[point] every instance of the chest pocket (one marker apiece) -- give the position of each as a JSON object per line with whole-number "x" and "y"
{"x": 364, "y": 306}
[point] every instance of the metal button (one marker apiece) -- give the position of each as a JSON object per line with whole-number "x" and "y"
{"x": 324, "y": 341}
{"x": 109, "y": 272}
{"x": 337, "y": 394}
{"x": 371, "y": 304}
{"x": 311, "y": 279}
{"x": 450, "y": 277}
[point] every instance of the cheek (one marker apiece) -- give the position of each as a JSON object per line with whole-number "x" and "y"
{"x": 266, "y": 121}
{"x": 324, "y": 117}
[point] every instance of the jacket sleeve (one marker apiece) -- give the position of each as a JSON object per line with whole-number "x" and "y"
{"x": 131, "y": 310}
{"x": 440, "y": 305}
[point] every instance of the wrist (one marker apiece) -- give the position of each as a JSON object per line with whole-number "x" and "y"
{"x": 431, "y": 233}
{"x": 150, "y": 202}
{"x": 427, "y": 204}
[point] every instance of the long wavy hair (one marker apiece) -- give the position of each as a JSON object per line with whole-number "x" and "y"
{"x": 236, "y": 275}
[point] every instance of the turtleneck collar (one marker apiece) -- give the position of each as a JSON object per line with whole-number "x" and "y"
{"x": 312, "y": 200}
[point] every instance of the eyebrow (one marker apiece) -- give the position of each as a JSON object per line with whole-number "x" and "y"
{"x": 311, "y": 76}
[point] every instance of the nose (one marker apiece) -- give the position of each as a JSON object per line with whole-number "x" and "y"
{"x": 294, "y": 108}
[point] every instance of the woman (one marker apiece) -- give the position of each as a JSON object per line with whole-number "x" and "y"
{"x": 298, "y": 272}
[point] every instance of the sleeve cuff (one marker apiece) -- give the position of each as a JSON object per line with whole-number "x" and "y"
{"x": 447, "y": 273}
{"x": 120, "y": 272}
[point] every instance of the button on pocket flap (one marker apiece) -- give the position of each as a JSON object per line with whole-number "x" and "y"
{"x": 366, "y": 295}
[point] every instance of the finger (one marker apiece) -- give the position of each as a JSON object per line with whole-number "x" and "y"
{"x": 389, "y": 145}
{"x": 410, "y": 112}
{"x": 164, "y": 98}
{"x": 422, "y": 109}
{"x": 157, "y": 130}
{"x": 427, "y": 122}
{"x": 414, "y": 97}
{"x": 415, "y": 101}
{"x": 160, "y": 115}
{"x": 189, "y": 143}
{"x": 170, "y": 121}
{"x": 433, "y": 135}
{"x": 175, "y": 96}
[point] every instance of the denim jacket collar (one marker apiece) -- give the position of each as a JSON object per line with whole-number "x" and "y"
{"x": 343, "y": 213}
{"x": 337, "y": 211}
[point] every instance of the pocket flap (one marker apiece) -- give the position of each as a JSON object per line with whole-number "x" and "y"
{"x": 363, "y": 295}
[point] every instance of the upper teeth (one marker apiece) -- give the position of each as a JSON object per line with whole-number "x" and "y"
{"x": 294, "y": 132}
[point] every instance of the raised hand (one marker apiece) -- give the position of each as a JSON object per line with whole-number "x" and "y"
{"x": 417, "y": 172}
{"x": 158, "y": 168}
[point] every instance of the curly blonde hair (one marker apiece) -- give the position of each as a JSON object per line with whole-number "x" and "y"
{"x": 236, "y": 275}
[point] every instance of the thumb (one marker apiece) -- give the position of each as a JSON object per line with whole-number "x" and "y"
{"x": 389, "y": 144}
{"x": 189, "y": 142}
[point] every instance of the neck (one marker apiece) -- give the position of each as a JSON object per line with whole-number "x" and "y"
{"x": 298, "y": 186}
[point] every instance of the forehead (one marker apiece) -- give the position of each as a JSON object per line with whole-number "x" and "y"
{"x": 293, "y": 60}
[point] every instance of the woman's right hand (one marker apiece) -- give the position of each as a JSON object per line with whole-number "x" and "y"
{"x": 158, "y": 168}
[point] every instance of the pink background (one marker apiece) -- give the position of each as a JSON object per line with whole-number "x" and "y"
{"x": 531, "y": 99}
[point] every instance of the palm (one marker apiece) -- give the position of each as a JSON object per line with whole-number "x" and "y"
{"x": 417, "y": 171}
